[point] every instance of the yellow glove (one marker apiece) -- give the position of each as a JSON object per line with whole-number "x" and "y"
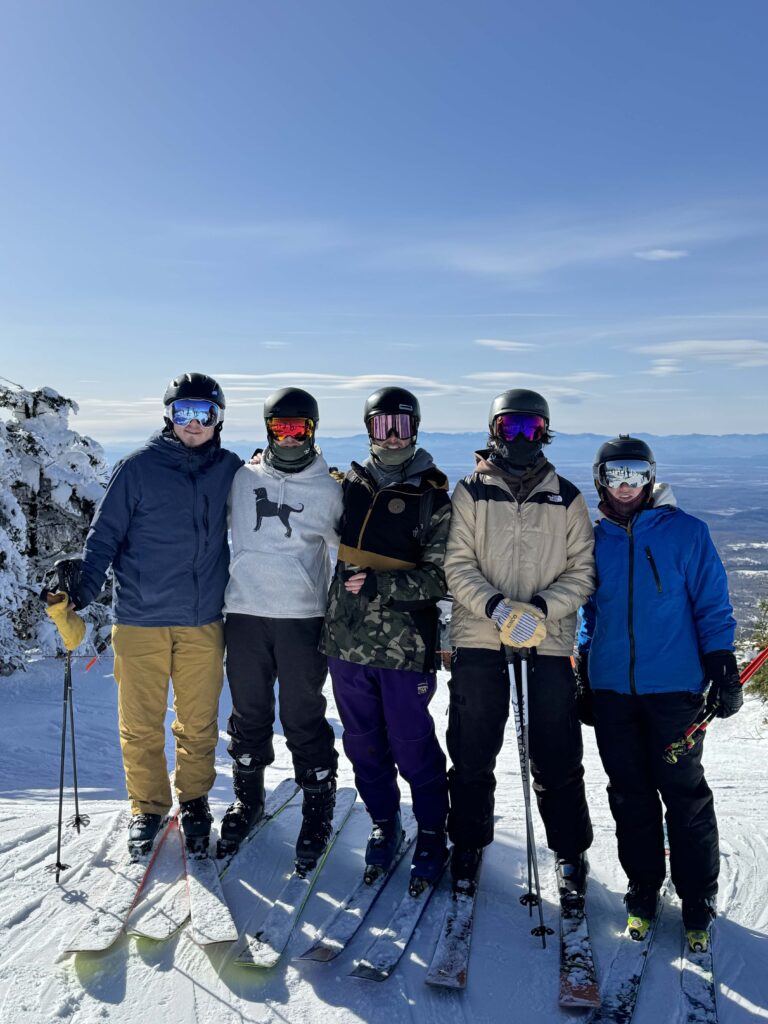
{"x": 70, "y": 626}
{"x": 519, "y": 624}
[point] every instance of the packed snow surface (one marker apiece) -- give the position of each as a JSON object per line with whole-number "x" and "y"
{"x": 511, "y": 978}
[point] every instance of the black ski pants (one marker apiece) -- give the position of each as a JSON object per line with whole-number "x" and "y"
{"x": 632, "y": 733}
{"x": 260, "y": 651}
{"x": 477, "y": 716}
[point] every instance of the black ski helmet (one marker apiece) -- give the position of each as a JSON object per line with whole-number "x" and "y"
{"x": 391, "y": 401}
{"x": 622, "y": 447}
{"x": 518, "y": 400}
{"x": 194, "y": 385}
{"x": 288, "y": 403}
{"x": 291, "y": 402}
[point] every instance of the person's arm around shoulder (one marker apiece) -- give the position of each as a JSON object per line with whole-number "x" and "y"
{"x": 425, "y": 582}
{"x": 465, "y": 580}
{"x": 566, "y": 594}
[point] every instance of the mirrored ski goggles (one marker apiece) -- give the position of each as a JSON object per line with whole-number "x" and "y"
{"x": 381, "y": 425}
{"x": 184, "y": 410}
{"x": 509, "y": 424}
{"x": 297, "y": 427}
{"x": 632, "y": 472}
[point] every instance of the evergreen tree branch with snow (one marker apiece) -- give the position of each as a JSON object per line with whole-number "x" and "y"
{"x": 51, "y": 480}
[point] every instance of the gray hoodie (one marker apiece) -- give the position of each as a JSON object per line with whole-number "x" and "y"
{"x": 282, "y": 526}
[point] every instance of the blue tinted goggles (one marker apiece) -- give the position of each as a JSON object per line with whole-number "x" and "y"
{"x": 184, "y": 410}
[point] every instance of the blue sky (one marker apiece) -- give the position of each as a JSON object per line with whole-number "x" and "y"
{"x": 459, "y": 197}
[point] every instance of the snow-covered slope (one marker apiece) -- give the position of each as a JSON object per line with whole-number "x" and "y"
{"x": 511, "y": 977}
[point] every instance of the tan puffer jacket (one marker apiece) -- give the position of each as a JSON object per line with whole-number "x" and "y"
{"x": 496, "y": 545}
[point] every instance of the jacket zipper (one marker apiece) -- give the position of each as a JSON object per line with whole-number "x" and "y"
{"x": 197, "y": 548}
{"x": 654, "y": 570}
{"x": 630, "y": 610}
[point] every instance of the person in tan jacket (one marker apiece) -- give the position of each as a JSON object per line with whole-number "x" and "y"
{"x": 520, "y": 550}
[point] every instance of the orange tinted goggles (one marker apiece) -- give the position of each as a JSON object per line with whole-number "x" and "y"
{"x": 298, "y": 427}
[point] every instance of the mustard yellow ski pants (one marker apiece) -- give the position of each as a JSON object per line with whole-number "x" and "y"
{"x": 146, "y": 658}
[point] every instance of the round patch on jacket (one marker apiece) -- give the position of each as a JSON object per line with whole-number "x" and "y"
{"x": 396, "y": 506}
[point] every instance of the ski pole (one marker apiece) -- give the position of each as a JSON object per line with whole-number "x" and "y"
{"x": 58, "y": 867}
{"x": 530, "y": 899}
{"x": 79, "y": 820}
{"x": 678, "y": 748}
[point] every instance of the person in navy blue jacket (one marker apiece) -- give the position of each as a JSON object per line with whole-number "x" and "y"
{"x": 162, "y": 526}
{"x": 656, "y": 647}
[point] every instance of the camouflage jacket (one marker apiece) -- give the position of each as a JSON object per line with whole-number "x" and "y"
{"x": 399, "y": 534}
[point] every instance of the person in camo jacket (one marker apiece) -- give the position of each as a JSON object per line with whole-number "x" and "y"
{"x": 380, "y": 632}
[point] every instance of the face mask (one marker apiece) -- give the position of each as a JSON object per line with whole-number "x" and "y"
{"x": 392, "y": 456}
{"x": 291, "y": 460}
{"x": 519, "y": 452}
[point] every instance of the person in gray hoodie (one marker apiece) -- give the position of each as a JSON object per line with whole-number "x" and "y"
{"x": 284, "y": 515}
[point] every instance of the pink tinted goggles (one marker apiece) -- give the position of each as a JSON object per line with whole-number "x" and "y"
{"x": 381, "y": 425}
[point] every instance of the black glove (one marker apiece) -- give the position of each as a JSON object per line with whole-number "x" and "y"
{"x": 725, "y": 689}
{"x": 64, "y": 575}
{"x": 584, "y": 707}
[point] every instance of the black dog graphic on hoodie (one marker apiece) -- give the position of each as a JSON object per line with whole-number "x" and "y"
{"x": 266, "y": 508}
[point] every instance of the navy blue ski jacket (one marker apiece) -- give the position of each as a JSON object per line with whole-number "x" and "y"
{"x": 162, "y": 526}
{"x": 661, "y": 602}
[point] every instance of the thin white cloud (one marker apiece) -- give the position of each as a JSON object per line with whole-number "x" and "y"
{"x": 739, "y": 352}
{"x": 504, "y": 346}
{"x": 661, "y": 255}
{"x": 581, "y": 377}
{"x": 665, "y": 368}
{"x": 267, "y": 382}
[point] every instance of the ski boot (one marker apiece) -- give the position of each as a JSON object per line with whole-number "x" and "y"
{"x": 697, "y": 917}
{"x": 141, "y": 834}
{"x": 465, "y": 867}
{"x": 247, "y": 807}
{"x": 572, "y": 883}
{"x": 196, "y": 818}
{"x": 319, "y": 786}
{"x": 641, "y": 900}
{"x": 383, "y": 843}
{"x": 429, "y": 859}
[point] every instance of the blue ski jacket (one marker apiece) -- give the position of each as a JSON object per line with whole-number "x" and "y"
{"x": 661, "y": 602}
{"x": 162, "y": 526}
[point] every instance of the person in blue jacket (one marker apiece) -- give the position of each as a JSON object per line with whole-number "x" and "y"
{"x": 655, "y": 648}
{"x": 162, "y": 526}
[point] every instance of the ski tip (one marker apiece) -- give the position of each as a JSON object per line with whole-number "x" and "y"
{"x": 586, "y": 996}
{"x": 319, "y": 954}
{"x": 441, "y": 980}
{"x": 369, "y": 973}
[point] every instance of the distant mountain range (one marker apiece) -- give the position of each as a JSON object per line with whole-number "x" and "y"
{"x": 454, "y": 451}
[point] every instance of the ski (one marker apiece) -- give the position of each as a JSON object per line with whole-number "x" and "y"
{"x": 450, "y": 962}
{"x": 338, "y": 929}
{"x": 622, "y": 986}
{"x": 578, "y": 974}
{"x": 276, "y": 802}
{"x": 106, "y": 922}
{"x": 266, "y": 946}
{"x": 384, "y": 953}
{"x": 697, "y": 986}
{"x": 164, "y": 906}
{"x": 210, "y": 917}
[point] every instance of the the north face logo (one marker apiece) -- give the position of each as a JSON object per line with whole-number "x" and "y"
{"x": 555, "y": 499}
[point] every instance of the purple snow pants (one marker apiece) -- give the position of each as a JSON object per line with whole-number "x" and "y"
{"x": 387, "y": 726}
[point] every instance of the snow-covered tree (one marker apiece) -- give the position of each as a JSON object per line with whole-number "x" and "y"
{"x": 13, "y": 566}
{"x": 56, "y": 477}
